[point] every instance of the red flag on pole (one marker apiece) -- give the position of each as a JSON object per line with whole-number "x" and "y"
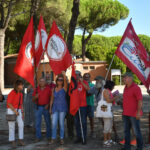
{"x": 74, "y": 94}
{"x": 57, "y": 52}
{"x": 133, "y": 54}
{"x": 25, "y": 62}
{"x": 40, "y": 41}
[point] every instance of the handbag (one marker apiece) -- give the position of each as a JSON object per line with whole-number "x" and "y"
{"x": 13, "y": 117}
{"x": 103, "y": 109}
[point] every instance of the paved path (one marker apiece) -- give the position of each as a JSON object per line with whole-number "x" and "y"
{"x": 94, "y": 143}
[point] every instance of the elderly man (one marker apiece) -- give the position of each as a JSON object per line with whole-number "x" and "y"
{"x": 96, "y": 90}
{"x": 132, "y": 111}
{"x": 41, "y": 97}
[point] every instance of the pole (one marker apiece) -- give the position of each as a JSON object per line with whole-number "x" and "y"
{"x": 109, "y": 67}
{"x": 81, "y": 126}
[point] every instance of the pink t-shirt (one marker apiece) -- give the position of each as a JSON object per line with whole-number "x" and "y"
{"x": 131, "y": 96}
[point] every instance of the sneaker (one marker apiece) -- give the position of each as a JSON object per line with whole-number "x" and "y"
{"x": 106, "y": 144}
{"x": 122, "y": 142}
{"x": 112, "y": 142}
{"x": 133, "y": 142}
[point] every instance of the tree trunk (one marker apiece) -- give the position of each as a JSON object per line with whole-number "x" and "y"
{"x": 72, "y": 25}
{"x": 2, "y": 38}
{"x": 84, "y": 42}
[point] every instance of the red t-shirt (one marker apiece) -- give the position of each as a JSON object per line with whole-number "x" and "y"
{"x": 44, "y": 95}
{"x": 82, "y": 94}
{"x": 14, "y": 98}
{"x": 131, "y": 96}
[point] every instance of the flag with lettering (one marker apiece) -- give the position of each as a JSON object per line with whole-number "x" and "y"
{"x": 132, "y": 52}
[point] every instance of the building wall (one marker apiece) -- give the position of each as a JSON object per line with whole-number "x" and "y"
{"x": 94, "y": 68}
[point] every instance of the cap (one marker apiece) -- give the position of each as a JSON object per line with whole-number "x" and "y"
{"x": 128, "y": 74}
{"x": 78, "y": 72}
{"x": 99, "y": 78}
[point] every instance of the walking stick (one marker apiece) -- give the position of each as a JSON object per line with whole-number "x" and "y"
{"x": 81, "y": 126}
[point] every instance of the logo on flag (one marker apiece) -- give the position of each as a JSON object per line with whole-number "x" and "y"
{"x": 37, "y": 41}
{"x": 57, "y": 51}
{"x": 132, "y": 52}
{"x": 56, "y": 48}
{"x": 29, "y": 53}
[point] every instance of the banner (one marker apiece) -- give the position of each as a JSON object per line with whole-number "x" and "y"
{"x": 132, "y": 52}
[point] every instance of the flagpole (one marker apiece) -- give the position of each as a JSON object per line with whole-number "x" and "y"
{"x": 81, "y": 126}
{"x": 109, "y": 67}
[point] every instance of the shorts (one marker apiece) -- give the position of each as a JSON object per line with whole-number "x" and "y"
{"x": 108, "y": 123}
{"x": 90, "y": 111}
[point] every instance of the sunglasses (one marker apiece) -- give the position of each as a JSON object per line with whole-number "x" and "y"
{"x": 60, "y": 79}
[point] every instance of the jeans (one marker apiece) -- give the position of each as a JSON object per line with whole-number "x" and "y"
{"x": 83, "y": 112}
{"x": 61, "y": 117}
{"x": 38, "y": 118}
{"x": 128, "y": 122}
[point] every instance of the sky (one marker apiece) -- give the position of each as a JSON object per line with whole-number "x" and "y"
{"x": 139, "y": 11}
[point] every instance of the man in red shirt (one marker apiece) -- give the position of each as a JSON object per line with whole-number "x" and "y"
{"x": 132, "y": 111}
{"x": 82, "y": 113}
{"x": 41, "y": 97}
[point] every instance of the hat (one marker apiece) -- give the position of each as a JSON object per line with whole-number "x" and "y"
{"x": 128, "y": 74}
{"x": 77, "y": 72}
{"x": 99, "y": 78}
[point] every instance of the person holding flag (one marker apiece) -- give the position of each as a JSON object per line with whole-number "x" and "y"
{"x": 132, "y": 111}
{"x": 81, "y": 115}
{"x": 58, "y": 107}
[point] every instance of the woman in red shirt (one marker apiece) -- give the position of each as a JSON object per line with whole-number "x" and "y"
{"x": 15, "y": 106}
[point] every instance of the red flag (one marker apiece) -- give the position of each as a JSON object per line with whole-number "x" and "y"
{"x": 57, "y": 51}
{"x": 133, "y": 54}
{"x": 25, "y": 62}
{"x": 74, "y": 94}
{"x": 40, "y": 41}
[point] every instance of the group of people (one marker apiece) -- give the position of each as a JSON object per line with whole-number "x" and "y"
{"x": 52, "y": 101}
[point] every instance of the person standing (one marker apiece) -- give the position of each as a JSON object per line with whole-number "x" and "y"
{"x": 81, "y": 115}
{"x": 29, "y": 108}
{"x": 132, "y": 111}
{"x": 58, "y": 107}
{"x": 41, "y": 97}
{"x": 15, "y": 106}
{"x": 90, "y": 103}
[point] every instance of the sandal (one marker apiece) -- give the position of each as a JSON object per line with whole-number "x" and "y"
{"x": 21, "y": 143}
{"x": 51, "y": 142}
{"x": 61, "y": 142}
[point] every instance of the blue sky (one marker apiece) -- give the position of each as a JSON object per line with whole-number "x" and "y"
{"x": 139, "y": 11}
